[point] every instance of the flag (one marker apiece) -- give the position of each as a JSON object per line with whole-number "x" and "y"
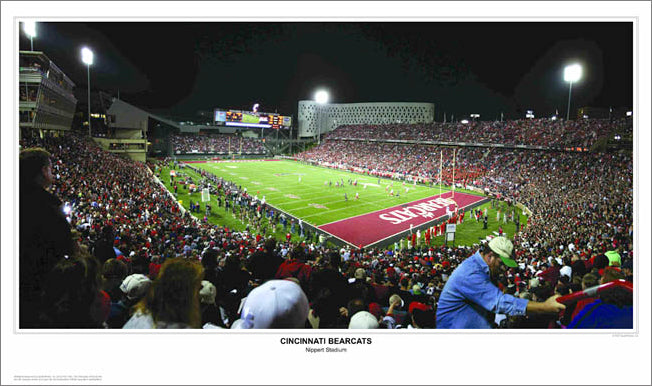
{"x": 205, "y": 195}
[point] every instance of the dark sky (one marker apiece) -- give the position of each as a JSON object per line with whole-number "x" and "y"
{"x": 179, "y": 68}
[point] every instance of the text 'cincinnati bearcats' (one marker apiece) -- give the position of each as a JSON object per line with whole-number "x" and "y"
{"x": 346, "y": 340}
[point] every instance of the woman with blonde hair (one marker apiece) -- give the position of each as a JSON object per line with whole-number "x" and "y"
{"x": 173, "y": 299}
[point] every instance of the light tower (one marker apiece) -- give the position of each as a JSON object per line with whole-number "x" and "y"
{"x": 87, "y": 58}
{"x": 572, "y": 73}
{"x": 321, "y": 97}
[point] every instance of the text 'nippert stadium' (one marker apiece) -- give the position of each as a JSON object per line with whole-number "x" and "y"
{"x": 358, "y": 215}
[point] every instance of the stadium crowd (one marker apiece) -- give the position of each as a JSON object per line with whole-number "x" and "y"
{"x": 216, "y": 143}
{"x": 103, "y": 244}
{"x": 535, "y": 132}
{"x": 408, "y": 162}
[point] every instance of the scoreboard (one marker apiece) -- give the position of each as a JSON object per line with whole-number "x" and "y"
{"x": 252, "y": 119}
{"x": 275, "y": 121}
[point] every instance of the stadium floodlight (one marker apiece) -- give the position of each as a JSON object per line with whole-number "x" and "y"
{"x": 629, "y": 114}
{"x": 29, "y": 27}
{"x": 464, "y": 121}
{"x": 572, "y": 73}
{"x": 321, "y": 97}
{"x": 87, "y": 58}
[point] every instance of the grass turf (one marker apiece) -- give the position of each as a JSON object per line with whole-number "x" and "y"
{"x": 304, "y": 192}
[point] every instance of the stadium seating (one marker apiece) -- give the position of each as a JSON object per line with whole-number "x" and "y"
{"x": 534, "y": 132}
{"x": 581, "y": 204}
{"x": 216, "y": 144}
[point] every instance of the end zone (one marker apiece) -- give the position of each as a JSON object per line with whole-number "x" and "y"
{"x": 373, "y": 227}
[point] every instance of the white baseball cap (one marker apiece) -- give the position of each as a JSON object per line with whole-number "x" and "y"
{"x": 503, "y": 248}
{"x": 135, "y": 286}
{"x": 363, "y": 320}
{"x": 275, "y": 304}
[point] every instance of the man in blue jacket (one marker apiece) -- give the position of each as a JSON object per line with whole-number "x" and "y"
{"x": 470, "y": 299}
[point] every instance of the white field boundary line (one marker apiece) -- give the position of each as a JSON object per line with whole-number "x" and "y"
{"x": 425, "y": 223}
{"x": 316, "y": 227}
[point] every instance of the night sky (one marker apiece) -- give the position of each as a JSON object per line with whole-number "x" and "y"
{"x": 179, "y": 68}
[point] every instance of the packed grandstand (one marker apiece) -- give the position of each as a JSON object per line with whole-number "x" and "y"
{"x": 134, "y": 257}
{"x": 216, "y": 144}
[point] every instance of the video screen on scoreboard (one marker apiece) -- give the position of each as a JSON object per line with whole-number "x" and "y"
{"x": 220, "y": 116}
{"x": 253, "y": 119}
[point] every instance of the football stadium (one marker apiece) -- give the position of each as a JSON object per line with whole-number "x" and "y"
{"x": 384, "y": 208}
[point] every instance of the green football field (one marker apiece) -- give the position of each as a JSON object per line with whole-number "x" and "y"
{"x": 304, "y": 191}
{"x": 318, "y": 203}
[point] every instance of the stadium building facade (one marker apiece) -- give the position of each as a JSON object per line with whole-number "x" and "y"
{"x": 46, "y": 99}
{"x": 315, "y": 119}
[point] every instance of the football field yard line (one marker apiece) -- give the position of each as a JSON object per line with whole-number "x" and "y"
{"x": 380, "y": 202}
{"x": 317, "y": 197}
{"x": 340, "y": 209}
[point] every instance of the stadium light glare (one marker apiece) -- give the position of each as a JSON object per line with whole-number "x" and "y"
{"x": 629, "y": 114}
{"x": 464, "y": 121}
{"x": 572, "y": 73}
{"x": 87, "y": 58}
{"x": 29, "y": 27}
{"x": 321, "y": 97}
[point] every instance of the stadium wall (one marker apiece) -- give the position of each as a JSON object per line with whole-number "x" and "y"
{"x": 128, "y": 116}
{"x": 314, "y": 118}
